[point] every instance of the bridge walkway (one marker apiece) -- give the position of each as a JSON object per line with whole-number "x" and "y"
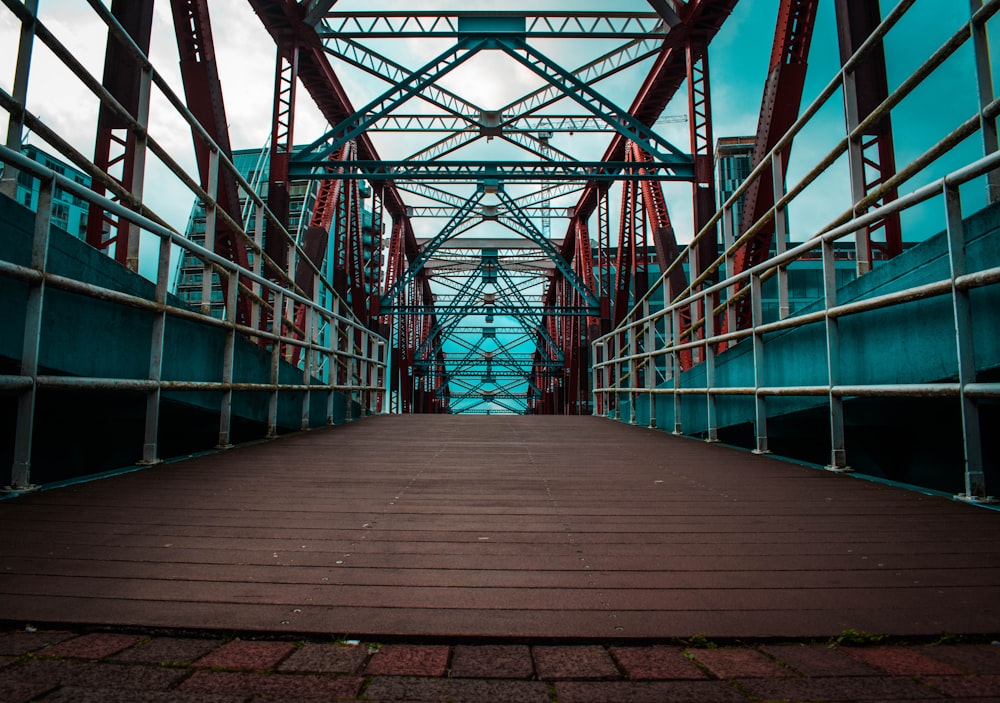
{"x": 498, "y": 527}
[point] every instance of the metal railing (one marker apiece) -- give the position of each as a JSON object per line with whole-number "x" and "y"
{"x": 641, "y": 360}
{"x": 338, "y": 355}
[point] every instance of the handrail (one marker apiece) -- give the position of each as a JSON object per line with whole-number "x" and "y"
{"x": 641, "y": 357}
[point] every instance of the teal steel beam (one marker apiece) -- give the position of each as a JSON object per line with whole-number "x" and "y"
{"x": 533, "y": 124}
{"x": 532, "y": 233}
{"x": 428, "y": 249}
{"x": 375, "y": 64}
{"x": 409, "y": 86}
{"x": 611, "y": 63}
{"x": 437, "y": 25}
{"x": 310, "y": 166}
{"x": 444, "y": 146}
{"x": 491, "y": 123}
{"x": 442, "y": 211}
{"x": 480, "y": 309}
{"x": 537, "y": 146}
{"x": 571, "y": 86}
{"x": 432, "y": 193}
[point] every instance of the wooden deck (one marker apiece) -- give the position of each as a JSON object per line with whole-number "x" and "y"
{"x": 521, "y": 527}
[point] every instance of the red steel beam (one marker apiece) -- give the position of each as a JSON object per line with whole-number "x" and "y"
{"x": 856, "y": 21}
{"x": 203, "y": 91}
{"x": 122, "y": 79}
{"x": 778, "y": 111}
{"x": 284, "y": 21}
{"x": 700, "y": 21}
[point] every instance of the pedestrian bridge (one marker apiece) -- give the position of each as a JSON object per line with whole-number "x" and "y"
{"x": 275, "y": 381}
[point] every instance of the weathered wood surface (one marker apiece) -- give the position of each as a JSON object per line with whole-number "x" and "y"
{"x": 500, "y": 526}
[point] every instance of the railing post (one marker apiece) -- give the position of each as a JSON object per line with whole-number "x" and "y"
{"x": 20, "y": 478}
{"x": 258, "y": 239}
{"x": 307, "y": 353}
{"x": 364, "y": 379}
{"x": 352, "y": 378}
{"x": 838, "y": 454}
{"x": 151, "y": 443}
{"x": 780, "y": 236}
{"x": 633, "y": 371}
{"x": 383, "y": 381}
{"x": 727, "y": 244}
{"x": 595, "y": 377}
{"x": 650, "y": 363}
{"x": 277, "y": 329}
{"x": 15, "y": 124}
{"x": 856, "y": 167}
{"x": 331, "y": 377}
{"x": 694, "y": 313}
{"x": 710, "y": 410}
{"x": 228, "y": 362}
{"x": 675, "y": 357}
{"x": 760, "y": 402}
{"x": 210, "y": 216}
{"x": 975, "y": 480}
{"x": 139, "y": 164}
{"x": 618, "y": 376}
{"x": 984, "y": 84}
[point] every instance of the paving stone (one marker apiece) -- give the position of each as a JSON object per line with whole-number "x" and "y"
{"x": 414, "y": 689}
{"x": 732, "y": 663}
{"x": 177, "y": 650}
{"x": 96, "y": 645}
{"x": 19, "y": 642}
{"x": 91, "y": 675}
{"x": 656, "y": 663}
{"x": 492, "y": 662}
{"x": 972, "y": 658}
{"x": 851, "y": 688}
{"x": 246, "y": 655}
{"x": 409, "y": 660}
{"x": 325, "y": 658}
{"x": 818, "y": 660}
{"x": 72, "y": 694}
{"x": 974, "y": 686}
{"x": 647, "y": 692}
{"x": 900, "y": 661}
{"x": 277, "y": 686}
{"x": 592, "y": 662}
{"x": 14, "y": 692}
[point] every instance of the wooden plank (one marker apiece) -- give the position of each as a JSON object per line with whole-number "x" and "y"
{"x": 499, "y": 527}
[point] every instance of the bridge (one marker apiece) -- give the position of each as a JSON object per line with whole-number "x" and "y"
{"x": 509, "y": 324}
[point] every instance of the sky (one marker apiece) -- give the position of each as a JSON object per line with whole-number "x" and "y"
{"x": 738, "y": 63}
{"x": 738, "y": 60}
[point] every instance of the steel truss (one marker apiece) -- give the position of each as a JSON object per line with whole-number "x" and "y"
{"x": 575, "y": 296}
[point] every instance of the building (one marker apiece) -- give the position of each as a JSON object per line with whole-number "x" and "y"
{"x": 68, "y": 211}
{"x": 733, "y": 162}
{"x": 253, "y": 165}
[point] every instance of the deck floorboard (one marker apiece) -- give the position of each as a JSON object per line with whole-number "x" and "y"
{"x": 499, "y": 527}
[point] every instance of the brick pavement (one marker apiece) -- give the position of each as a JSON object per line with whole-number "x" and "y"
{"x": 112, "y": 667}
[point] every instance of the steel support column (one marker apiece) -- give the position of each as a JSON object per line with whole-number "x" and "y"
{"x": 870, "y": 154}
{"x": 115, "y": 148}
